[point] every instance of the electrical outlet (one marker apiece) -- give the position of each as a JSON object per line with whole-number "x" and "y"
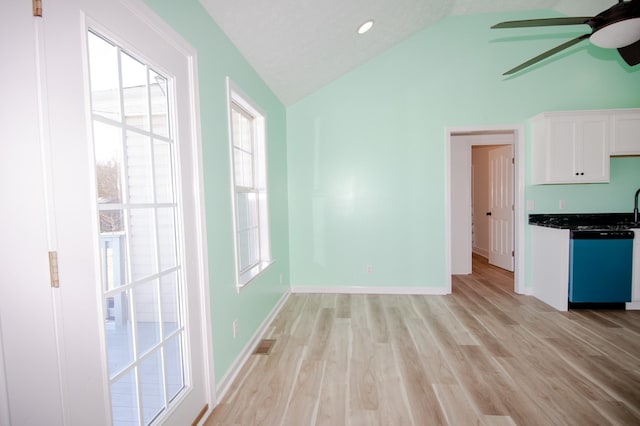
{"x": 369, "y": 269}
{"x": 235, "y": 328}
{"x": 531, "y": 205}
{"x": 281, "y": 279}
{"x": 562, "y": 204}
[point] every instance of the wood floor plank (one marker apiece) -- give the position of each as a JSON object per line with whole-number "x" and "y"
{"x": 319, "y": 338}
{"x": 433, "y": 360}
{"x": 376, "y": 318}
{"x": 456, "y": 406}
{"x": 422, "y": 398}
{"x": 362, "y": 382}
{"x": 305, "y": 394}
{"x": 289, "y": 316}
{"x": 540, "y": 387}
{"x": 394, "y": 403}
{"x": 482, "y": 355}
{"x": 617, "y": 413}
{"x": 343, "y": 306}
{"x": 630, "y": 320}
{"x": 332, "y": 408}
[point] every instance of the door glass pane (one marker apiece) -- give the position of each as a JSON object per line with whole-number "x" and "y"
{"x": 152, "y": 387}
{"x": 174, "y": 367}
{"x": 147, "y": 314}
{"x": 119, "y": 333}
{"x": 142, "y": 243}
{"x": 139, "y": 235}
{"x": 170, "y": 303}
{"x": 159, "y": 104}
{"x": 139, "y": 168}
{"x": 124, "y": 402}
{"x": 134, "y": 92}
{"x": 103, "y": 67}
{"x": 163, "y": 160}
{"x": 112, "y": 256}
{"x": 166, "y": 238}
{"x": 111, "y": 221}
{"x": 108, "y": 152}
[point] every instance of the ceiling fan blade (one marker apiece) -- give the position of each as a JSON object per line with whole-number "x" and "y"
{"x": 547, "y": 22}
{"x": 547, "y": 54}
{"x": 631, "y": 53}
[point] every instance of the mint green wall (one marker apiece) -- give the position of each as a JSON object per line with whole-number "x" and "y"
{"x": 218, "y": 58}
{"x": 366, "y": 154}
{"x": 614, "y": 197}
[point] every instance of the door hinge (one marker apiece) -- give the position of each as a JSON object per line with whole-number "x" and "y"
{"x": 37, "y": 8}
{"x": 53, "y": 269}
{"x": 513, "y": 160}
{"x": 513, "y": 253}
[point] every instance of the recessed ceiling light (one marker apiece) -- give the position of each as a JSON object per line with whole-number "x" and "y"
{"x": 365, "y": 27}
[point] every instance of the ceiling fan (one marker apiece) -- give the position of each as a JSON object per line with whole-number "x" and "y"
{"x": 617, "y": 27}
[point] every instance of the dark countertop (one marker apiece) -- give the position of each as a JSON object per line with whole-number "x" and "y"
{"x": 616, "y": 221}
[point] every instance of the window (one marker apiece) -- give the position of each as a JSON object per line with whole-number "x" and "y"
{"x": 248, "y": 163}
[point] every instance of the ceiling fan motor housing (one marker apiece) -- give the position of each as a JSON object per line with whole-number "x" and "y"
{"x": 618, "y": 26}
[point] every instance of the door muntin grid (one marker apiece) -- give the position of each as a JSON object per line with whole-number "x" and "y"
{"x": 140, "y": 232}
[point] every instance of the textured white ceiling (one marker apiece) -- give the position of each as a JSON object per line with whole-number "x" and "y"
{"x": 298, "y": 46}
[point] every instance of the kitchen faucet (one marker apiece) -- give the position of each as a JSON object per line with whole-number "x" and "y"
{"x": 635, "y": 207}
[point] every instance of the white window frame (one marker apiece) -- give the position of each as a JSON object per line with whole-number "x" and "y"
{"x": 236, "y": 97}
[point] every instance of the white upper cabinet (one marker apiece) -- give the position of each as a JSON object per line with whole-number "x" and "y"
{"x": 571, "y": 147}
{"x": 625, "y": 132}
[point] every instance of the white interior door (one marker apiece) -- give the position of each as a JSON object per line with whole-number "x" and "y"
{"x": 123, "y": 160}
{"x": 501, "y": 207}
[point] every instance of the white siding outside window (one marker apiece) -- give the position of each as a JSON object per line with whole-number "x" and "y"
{"x": 247, "y": 126}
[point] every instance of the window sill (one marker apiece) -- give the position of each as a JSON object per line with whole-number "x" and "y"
{"x": 248, "y": 276}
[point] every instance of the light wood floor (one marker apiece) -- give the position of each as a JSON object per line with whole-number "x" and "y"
{"x": 482, "y": 355}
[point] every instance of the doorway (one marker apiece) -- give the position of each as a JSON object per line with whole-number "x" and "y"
{"x": 460, "y": 142}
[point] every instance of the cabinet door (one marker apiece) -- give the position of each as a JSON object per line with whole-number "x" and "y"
{"x": 625, "y": 133}
{"x": 560, "y": 150}
{"x": 592, "y": 149}
{"x": 571, "y": 148}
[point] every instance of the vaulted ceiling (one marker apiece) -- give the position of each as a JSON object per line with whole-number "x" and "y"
{"x": 298, "y": 46}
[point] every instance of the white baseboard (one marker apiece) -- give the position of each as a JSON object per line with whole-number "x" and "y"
{"x": 527, "y": 291}
{"x": 435, "y": 291}
{"x": 225, "y": 383}
{"x": 633, "y": 306}
{"x": 482, "y": 252}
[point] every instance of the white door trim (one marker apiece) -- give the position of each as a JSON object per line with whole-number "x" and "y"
{"x": 519, "y": 187}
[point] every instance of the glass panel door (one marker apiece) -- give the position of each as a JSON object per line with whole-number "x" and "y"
{"x": 142, "y": 276}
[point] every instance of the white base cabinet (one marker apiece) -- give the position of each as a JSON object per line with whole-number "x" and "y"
{"x": 635, "y": 287}
{"x": 550, "y": 266}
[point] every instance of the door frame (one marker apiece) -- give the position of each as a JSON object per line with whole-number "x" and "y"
{"x": 518, "y": 131}
{"x": 199, "y": 262}
{"x": 177, "y": 41}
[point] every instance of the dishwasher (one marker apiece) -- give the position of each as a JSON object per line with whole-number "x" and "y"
{"x": 600, "y": 267}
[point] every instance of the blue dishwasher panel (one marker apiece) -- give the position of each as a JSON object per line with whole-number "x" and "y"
{"x": 600, "y": 270}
